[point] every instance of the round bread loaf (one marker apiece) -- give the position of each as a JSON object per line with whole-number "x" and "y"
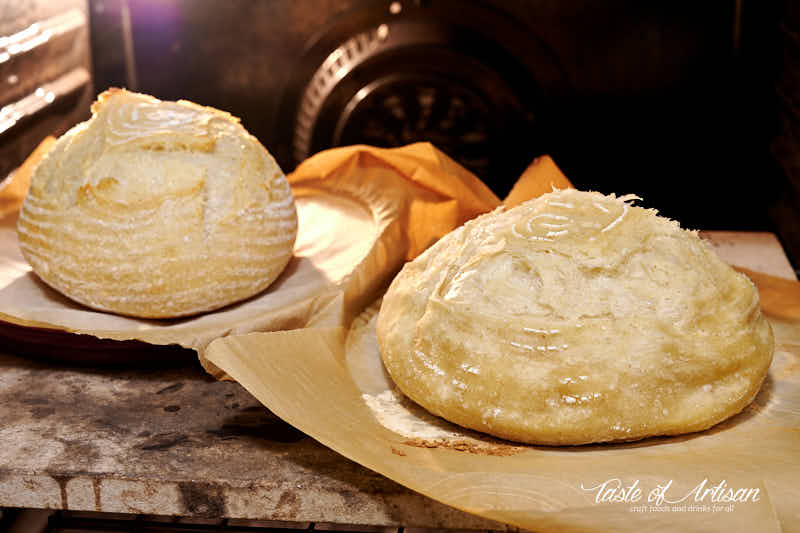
{"x": 157, "y": 209}
{"x": 575, "y": 318}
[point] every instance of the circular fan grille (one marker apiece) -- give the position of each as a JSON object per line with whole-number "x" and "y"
{"x": 403, "y": 109}
{"x": 336, "y": 66}
{"x": 393, "y": 78}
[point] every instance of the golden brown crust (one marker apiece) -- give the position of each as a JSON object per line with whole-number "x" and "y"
{"x": 157, "y": 209}
{"x": 571, "y": 319}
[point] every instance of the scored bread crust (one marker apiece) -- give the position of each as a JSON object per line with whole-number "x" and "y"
{"x": 157, "y": 209}
{"x": 571, "y": 319}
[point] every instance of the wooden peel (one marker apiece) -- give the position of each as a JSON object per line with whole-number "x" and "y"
{"x": 13, "y": 193}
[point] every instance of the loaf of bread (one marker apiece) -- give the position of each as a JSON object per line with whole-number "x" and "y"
{"x": 157, "y": 209}
{"x": 575, "y": 318}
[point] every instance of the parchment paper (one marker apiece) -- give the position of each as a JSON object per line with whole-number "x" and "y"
{"x": 355, "y": 205}
{"x": 338, "y": 393}
{"x": 741, "y": 475}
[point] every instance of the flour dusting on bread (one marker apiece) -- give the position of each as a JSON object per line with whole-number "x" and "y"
{"x": 157, "y": 209}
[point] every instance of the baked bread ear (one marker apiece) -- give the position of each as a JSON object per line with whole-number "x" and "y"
{"x": 575, "y": 318}
{"x": 157, "y": 209}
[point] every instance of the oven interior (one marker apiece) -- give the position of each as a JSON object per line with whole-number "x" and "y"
{"x": 691, "y": 107}
{"x": 695, "y": 107}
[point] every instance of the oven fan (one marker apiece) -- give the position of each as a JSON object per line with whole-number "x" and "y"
{"x": 420, "y": 76}
{"x": 404, "y": 109}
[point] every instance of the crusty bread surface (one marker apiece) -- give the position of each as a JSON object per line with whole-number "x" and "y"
{"x": 575, "y": 318}
{"x": 157, "y": 209}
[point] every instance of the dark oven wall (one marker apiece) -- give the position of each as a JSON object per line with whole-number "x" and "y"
{"x": 672, "y": 101}
{"x": 45, "y": 73}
